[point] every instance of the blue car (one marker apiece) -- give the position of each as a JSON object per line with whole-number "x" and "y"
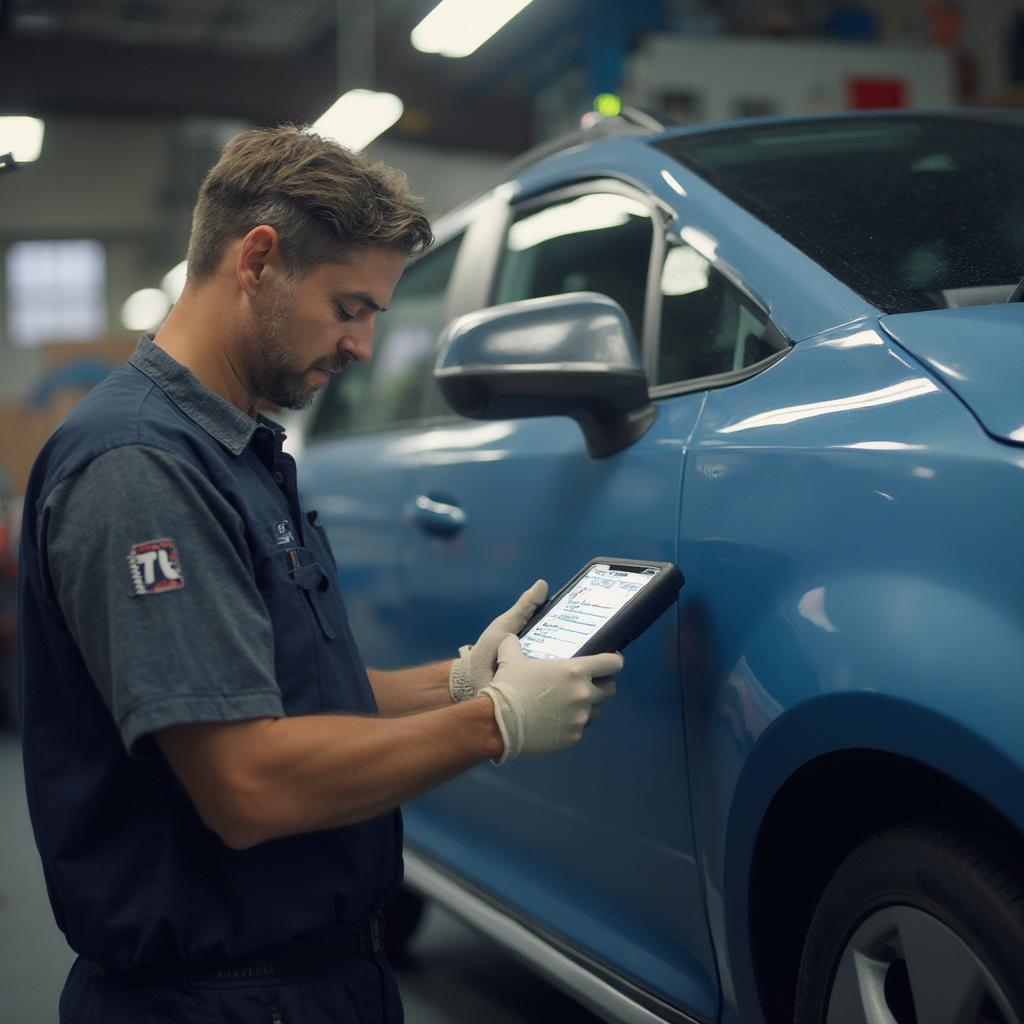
{"x": 788, "y": 356}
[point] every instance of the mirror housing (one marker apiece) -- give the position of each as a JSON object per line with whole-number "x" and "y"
{"x": 564, "y": 355}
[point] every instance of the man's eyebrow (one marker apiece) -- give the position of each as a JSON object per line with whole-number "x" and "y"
{"x": 367, "y": 300}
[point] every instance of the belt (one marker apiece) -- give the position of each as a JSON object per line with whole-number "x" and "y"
{"x": 314, "y": 957}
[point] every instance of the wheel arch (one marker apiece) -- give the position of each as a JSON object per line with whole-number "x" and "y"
{"x": 799, "y": 810}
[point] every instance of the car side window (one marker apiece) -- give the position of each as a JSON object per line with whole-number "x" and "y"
{"x": 599, "y": 242}
{"x": 389, "y": 389}
{"x": 708, "y": 326}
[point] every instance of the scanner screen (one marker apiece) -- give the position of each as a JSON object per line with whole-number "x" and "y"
{"x": 583, "y": 609}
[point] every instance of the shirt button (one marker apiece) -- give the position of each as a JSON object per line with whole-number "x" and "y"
{"x": 278, "y": 477}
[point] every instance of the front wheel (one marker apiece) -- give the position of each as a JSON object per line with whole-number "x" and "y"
{"x": 918, "y": 926}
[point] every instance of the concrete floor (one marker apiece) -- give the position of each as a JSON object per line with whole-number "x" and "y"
{"x": 34, "y": 959}
{"x": 452, "y": 976}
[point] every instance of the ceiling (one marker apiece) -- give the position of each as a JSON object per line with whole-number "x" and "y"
{"x": 270, "y": 61}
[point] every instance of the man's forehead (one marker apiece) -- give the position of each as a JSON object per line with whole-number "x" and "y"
{"x": 368, "y": 276}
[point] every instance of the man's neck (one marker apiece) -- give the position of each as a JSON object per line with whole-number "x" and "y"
{"x": 197, "y": 333}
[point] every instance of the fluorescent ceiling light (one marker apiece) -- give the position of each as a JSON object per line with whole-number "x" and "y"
{"x": 173, "y": 282}
{"x": 358, "y": 117}
{"x": 22, "y": 136}
{"x": 144, "y": 309}
{"x": 455, "y": 28}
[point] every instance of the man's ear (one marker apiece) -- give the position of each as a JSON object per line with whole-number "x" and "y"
{"x": 260, "y": 251}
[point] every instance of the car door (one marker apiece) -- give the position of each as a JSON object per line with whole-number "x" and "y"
{"x": 595, "y": 843}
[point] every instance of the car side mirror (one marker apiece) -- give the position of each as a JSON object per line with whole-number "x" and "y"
{"x": 566, "y": 355}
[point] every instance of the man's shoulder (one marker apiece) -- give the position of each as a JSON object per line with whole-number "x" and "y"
{"x": 125, "y": 410}
{"x": 121, "y": 407}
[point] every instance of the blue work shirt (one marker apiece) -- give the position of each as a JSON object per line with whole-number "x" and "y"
{"x": 169, "y": 576}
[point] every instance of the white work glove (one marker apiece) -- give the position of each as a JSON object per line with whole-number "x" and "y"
{"x": 474, "y": 668}
{"x": 544, "y": 704}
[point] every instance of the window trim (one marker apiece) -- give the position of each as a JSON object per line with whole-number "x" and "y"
{"x": 674, "y": 237}
{"x": 483, "y": 240}
{"x": 658, "y": 215}
{"x": 662, "y": 238}
{"x": 720, "y": 380}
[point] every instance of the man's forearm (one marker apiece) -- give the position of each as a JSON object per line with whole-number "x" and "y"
{"x": 263, "y": 779}
{"x": 407, "y": 690}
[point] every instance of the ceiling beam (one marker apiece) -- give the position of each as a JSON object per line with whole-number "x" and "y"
{"x": 62, "y": 77}
{"x": 56, "y": 76}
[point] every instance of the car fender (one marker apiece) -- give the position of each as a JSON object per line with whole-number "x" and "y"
{"x": 917, "y": 677}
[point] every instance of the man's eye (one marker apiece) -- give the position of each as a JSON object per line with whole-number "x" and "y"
{"x": 343, "y": 314}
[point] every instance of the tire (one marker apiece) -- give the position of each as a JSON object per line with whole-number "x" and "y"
{"x": 403, "y": 915}
{"x": 919, "y": 925}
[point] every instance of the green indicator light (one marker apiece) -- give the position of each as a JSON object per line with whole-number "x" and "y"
{"x": 607, "y": 104}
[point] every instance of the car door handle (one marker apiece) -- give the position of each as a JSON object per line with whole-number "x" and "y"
{"x": 436, "y": 516}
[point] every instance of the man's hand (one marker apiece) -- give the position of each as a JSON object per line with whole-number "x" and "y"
{"x": 543, "y": 705}
{"x": 474, "y": 668}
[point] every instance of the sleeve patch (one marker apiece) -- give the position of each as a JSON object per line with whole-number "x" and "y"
{"x": 154, "y": 567}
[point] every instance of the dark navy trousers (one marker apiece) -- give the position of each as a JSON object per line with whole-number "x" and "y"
{"x": 362, "y": 990}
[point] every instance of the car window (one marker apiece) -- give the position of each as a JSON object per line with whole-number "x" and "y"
{"x": 599, "y": 242}
{"x": 708, "y": 326}
{"x": 924, "y": 211}
{"x": 389, "y": 389}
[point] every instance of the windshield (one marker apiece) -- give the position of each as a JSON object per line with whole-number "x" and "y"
{"x": 911, "y": 211}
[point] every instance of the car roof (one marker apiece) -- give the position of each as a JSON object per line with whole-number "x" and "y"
{"x": 784, "y": 275}
{"x": 649, "y": 128}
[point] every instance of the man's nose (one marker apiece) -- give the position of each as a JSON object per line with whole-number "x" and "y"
{"x": 357, "y": 343}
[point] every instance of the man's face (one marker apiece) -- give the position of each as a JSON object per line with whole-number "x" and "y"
{"x": 311, "y": 328}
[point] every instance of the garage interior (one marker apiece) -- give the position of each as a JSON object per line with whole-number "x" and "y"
{"x": 138, "y": 97}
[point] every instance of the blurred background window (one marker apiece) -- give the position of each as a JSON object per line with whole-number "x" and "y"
{"x": 56, "y": 291}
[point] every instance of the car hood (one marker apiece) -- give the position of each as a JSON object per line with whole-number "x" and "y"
{"x": 978, "y": 352}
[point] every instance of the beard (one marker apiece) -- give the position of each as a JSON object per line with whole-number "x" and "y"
{"x": 276, "y": 376}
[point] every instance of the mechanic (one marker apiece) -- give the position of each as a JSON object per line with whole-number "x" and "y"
{"x": 213, "y": 776}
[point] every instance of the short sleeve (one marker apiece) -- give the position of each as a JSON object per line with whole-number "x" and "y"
{"x": 149, "y": 564}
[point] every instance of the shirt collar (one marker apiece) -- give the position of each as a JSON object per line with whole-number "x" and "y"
{"x": 223, "y": 421}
